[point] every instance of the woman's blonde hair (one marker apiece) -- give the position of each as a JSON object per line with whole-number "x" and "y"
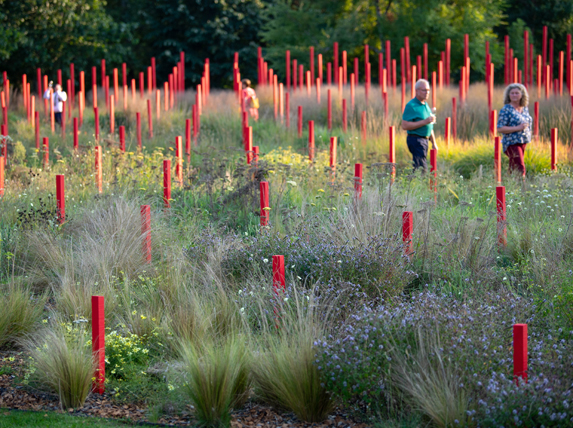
{"x": 524, "y": 101}
{"x": 246, "y": 83}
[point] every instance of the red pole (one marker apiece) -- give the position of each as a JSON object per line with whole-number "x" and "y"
{"x": 146, "y": 231}
{"x": 264, "y": 190}
{"x": 544, "y": 48}
{"x": 536, "y": 120}
{"x": 122, "y": 138}
{"x": 188, "y": 138}
{"x": 525, "y": 56}
{"x": 98, "y": 342}
{"x": 501, "y": 217}
{"x": 329, "y": 109}
{"x": 448, "y": 131}
{"x": 497, "y": 159}
{"x": 352, "y": 83}
{"x": 561, "y": 59}
{"x": 363, "y": 126}
{"x": 167, "y": 183}
{"x": 96, "y": 122}
{"x": 344, "y": 67}
{"x": 448, "y": 55}
{"x": 75, "y": 126}
{"x": 329, "y": 74}
{"x": 407, "y": 229}
{"x": 311, "y": 65}
{"x": 319, "y": 68}
{"x": 299, "y": 121}
{"x": 287, "y": 68}
{"x": 520, "y": 352}
{"x": 554, "y": 137}
{"x": 344, "y": 116}
{"x": 46, "y": 148}
{"x": 356, "y": 72}
{"x": 357, "y": 181}
{"x": 333, "y": 144}
{"x": 278, "y": 273}
{"x": 294, "y": 74}
{"x": 61, "y": 198}
{"x": 37, "y": 129}
{"x": 426, "y": 61}
{"x": 98, "y": 168}
{"x": 506, "y": 60}
{"x": 392, "y": 152}
{"x": 311, "y": 140}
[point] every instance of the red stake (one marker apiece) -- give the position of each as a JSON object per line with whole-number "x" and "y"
{"x": 146, "y": 231}
{"x": 501, "y": 217}
{"x": 188, "y": 139}
{"x": 519, "y": 352}
{"x": 98, "y": 342}
{"x": 392, "y": 152}
{"x": 333, "y": 143}
{"x": 61, "y": 198}
{"x": 37, "y": 129}
{"x": 536, "y": 120}
{"x": 279, "y": 274}
{"x": 407, "y": 229}
{"x": 311, "y": 140}
{"x": 363, "y": 126}
{"x": 46, "y": 147}
{"x": 98, "y": 168}
{"x": 111, "y": 115}
{"x": 122, "y": 138}
{"x": 357, "y": 181}
{"x": 96, "y": 123}
{"x": 554, "y": 137}
{"x": 264, "y": 190}
{"x": 75, "y": 126}
{"x": 497, "y": 159}
{"x": 493, "y": 123}
{"x": 167, "y": 183}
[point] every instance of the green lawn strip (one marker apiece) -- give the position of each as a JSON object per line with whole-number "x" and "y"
{"x": 16, "y": 418}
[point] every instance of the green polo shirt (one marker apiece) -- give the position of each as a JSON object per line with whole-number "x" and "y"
{"x": 416, "y": 111}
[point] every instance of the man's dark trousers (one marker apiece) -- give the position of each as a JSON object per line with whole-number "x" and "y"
{"x": 418, "y": 146}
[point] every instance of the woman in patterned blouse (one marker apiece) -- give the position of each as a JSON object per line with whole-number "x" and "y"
{"x": 515, "y": 125}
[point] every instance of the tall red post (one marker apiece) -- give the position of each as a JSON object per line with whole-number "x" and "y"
{"x": 167, "y": 183}
{"x": 98, "y": 343}
{"x": 75, "y": 126}
{"x": 501, "y": 216}
{"x": 554, "y": 137}
{"x": 287, "y": 68}
{"x": 519, "y": 352}
{"x": 335, "y": 63}
{"x": 188, "y": 138}
{"x": 311, "y": 140}
{"x": 333, "y": 144}
{"x": 392, "y": 152}
{"x": 146, "y": 231}
{"x": 61, "y": 198}
{"x": 122, "y": 138}
{"x": 448, "y": 56}
{"x": 46, "y": 149}
{"x": 357, "y": 181}
{"x": 407, "y": 229}
{"x": 497, "y": 150}
{"x": 98, "y": 168}
{"x": 279, "y": 273}
{"x": 264, "y": 190}
{"x": 363, "y": 126}
{"x": 536, "y": 120}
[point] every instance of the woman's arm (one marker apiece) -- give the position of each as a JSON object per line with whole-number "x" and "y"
{"x": 512, "y": 129}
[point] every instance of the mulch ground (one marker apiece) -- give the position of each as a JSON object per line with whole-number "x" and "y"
{"x": 16, "y": 396}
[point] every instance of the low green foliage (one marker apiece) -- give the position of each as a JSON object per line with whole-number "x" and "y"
{"x": 15, "y": 418}
{"x": 21, "y": 310}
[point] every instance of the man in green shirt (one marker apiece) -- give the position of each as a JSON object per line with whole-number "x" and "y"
{"x": 419, "y": 121}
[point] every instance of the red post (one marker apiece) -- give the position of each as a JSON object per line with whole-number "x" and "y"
{"x": 311, "y": 140}
{"x": 554, "y": 137}
{"x": 333, "y": 144}
{"x": 357, "y": 181}
{"x": 75, "y": 126}
{"x": 98, "y": 342}
{"x": 167, "y": 183}
{"x": 561, "y": 59}
{"x": 122, "y": 138}
{"x": 363, "y": 126}
{"x": 37, "y": 129}
{"x": 98, "y": 168}
{"x": 493, "y": 123}
{"x": 46, "y": 148}
{"x": 61, "y": 198}
{"x": 536, "y": 120}
{"x": 146, "y": 231}
{"x": 311, "y": 64}
{"x": 264, "y": 190}
{"x": 344, "y": 116}
{"x": 188, "y": 138}
{"x": 149, "y": 119}
{"x": 287, "y": 68}
{"x": 299, "y": 121}
{"x": 520, "y": 352}
{"x": 501, "y": 217}
{"x": 392, "y": 152}
{"x": 329, "y": 109}
{"x": 96, "y": 123}
{"x": 407, "y": 229}
{"x": 279, "y": 273}
{"x": 497, "y": 150}
{"x": 352, "y": 86}
{"x": 329, "y": 74}
{"x": 448, "y": 56}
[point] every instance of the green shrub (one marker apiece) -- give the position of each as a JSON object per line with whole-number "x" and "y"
{"x": 20, "y": 311}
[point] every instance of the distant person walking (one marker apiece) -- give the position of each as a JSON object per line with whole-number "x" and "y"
{"x": 515, "y": 124}
{"x": 250, "y": 98}
{"x": 59, "y": 98}
{"x": 418, "y": 120}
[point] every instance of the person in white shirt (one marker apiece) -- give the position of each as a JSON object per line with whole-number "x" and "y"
{"x": 59, "y": 98}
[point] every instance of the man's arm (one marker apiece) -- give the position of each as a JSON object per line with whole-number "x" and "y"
{"x": 410, "y": 126}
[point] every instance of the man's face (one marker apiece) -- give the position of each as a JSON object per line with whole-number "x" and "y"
{"x": 423, "y": 91}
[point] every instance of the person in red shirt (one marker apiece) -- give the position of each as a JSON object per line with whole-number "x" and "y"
{"x": 250, "y": 98}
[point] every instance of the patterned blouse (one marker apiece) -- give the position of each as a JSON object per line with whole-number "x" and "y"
{"x": 509, "y": 116}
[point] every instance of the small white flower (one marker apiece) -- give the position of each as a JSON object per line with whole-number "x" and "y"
{"x": 265, "y": 260}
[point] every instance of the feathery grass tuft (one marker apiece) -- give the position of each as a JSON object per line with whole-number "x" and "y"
{"x": 19, "y": 313}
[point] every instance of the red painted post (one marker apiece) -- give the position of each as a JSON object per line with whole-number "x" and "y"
{"x": 525, "y": 56}
{"x": 392, "y": 152}
{"x": 188, "y": 139}
{"x": 299, "y": 122}
{"x": 98, "y": 168}
{"x": 554, "y": 137}
{"x": 363, "y": 127}
{"x": 264, "y": 190}
{"x": 256, "y": 155}
{"x": 448, "y": 56}
{"x": 501, "y": 216}
{"x": 519, "y": 352}
{"x": 329, "y": 109}
{"x": 329, "y": 74}
{"x": 344, "y": 116}
{"x": 311, "y": 64}
{"x": 249, "y": 144}
{"x": 146, "y": 231}
{"x": 426, "y": 61}
{"x": 61, "y": 198}
{"x": 167, "y": 183}
{"x": 319, "y": 68}
{"x": 354, "y": 76}
{"x": 96, "y": 123}
{"x": 98, "y": 342}
{"x": 497, "y": 159}
{"x": 279, "y": 274}
{"x": 357, "y": 181}
{"x": 311, "y": 140}
{"x": 45, "y": 147}
{"x": 388, "y": 62}
{"x": 287, "y": 68}
{"x": 149, "y": 119}
{"x": 407, "y": 229}
{"x": 560, "y": 72}
{"x": 138, "y": 129}
{"x": 493, "y": 123}
{"x": 344, "y": 68}
{"x": 75, "y": 126}
{"x": 434, "y": 172}
{"x": 37, "y": 129}
{"x": 536, "y": 120}
{"x": 122, "y": 138}
{"x": 352, "y": 88}
{"x": 333, "y": 144}
{"x": 141, "y": 84}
